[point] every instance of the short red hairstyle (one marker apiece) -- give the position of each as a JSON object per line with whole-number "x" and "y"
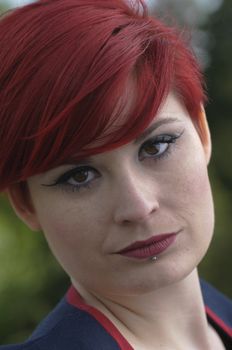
{"x": 64, "y": 69}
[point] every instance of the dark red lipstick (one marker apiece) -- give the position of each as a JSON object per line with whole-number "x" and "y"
{"x": 150, "y": 247}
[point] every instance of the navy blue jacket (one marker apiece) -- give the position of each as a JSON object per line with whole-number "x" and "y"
{"x": 74, "y": 325}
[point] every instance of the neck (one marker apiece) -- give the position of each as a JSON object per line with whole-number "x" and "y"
{"x": 172, "y": 316}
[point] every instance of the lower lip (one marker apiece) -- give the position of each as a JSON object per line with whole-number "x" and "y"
{"x": 151, "y": 250}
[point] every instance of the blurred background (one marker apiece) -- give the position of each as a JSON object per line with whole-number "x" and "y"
{"x": 31, "y": 282}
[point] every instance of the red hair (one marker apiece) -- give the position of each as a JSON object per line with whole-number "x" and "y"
{"x": 64, "y": 71}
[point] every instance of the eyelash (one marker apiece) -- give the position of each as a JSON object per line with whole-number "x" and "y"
{"x": 62, "y": 181}
{"x": 160, "y": 140}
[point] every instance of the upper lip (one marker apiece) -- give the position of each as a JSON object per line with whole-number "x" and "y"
{"x": 149, "y": 241}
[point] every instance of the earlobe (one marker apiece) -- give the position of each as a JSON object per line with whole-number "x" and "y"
{"x": 20, "y": 199}
{"x": 204, "y": 132}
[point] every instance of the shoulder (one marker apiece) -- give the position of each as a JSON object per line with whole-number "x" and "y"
{"x": 67, "y": 327}
{"x": 218, "y": 306}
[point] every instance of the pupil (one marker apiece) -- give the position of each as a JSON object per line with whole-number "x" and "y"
{"x": 81, "y": 176}
{"x": 151, "y": 148}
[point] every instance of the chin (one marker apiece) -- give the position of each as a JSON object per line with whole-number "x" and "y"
{"x": 149, "y": 282}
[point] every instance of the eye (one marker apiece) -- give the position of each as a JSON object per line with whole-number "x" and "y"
{"x": 80, "y": 177}
{"x": 157, "y": 147}
{"x": 77, "y": 178}
{"x": 152, "y": 148}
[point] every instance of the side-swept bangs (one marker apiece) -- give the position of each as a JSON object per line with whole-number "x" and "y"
{"x": 68, "y": 71}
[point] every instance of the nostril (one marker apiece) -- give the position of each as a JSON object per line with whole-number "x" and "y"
{"x": 135, "y": 213}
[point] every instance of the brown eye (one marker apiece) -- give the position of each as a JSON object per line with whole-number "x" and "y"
{"x": 80, "y": 176}
{"x": 151, "y": 148}
{"x": 157, "y": 147}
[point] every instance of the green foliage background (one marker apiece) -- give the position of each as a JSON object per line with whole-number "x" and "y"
{"x": 31, "y": 282}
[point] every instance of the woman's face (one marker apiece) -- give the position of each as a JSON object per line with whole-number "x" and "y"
{"x": 155, "y": 185}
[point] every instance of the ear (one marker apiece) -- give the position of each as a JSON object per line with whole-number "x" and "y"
{"x": 20, "y": 199}
{"x": 203, "y": 129}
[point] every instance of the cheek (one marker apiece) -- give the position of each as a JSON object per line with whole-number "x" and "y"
{"x": 196, "y": 204}
{"x": 196, "y": 187}
{"x": 58, "y": 214}
{"x": 64, "y": 234}
{"x": 65, "y": 225}
{"x": 201, "y": 208}
{"x": 189, "y": 192}
{"x": 190, "y": 178}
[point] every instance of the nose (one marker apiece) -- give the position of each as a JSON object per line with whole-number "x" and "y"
{"x": 135, "y": 201}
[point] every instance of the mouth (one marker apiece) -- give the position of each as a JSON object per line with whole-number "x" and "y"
{"x": 149, "y": 248}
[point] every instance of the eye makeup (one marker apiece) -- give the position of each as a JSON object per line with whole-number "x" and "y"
{"x": 158, "y": 146}
{"x": 76, "y": 178}
{"x": 82, "y": 177}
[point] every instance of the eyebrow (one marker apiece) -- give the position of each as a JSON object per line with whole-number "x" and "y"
{"x": 139, "y": 139}
{"x": 153, "y": 127}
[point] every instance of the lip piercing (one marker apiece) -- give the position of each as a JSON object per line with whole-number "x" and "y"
{"x": 153, "y": 258}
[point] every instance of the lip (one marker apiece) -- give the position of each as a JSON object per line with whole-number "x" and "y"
{"x": 150, "y": 247}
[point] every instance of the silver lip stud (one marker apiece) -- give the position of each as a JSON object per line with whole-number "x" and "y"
{"x": 154, "y": 258}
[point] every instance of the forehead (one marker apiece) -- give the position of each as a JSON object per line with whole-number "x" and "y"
{"x": 119, "y": 111}
{"x": 172, "y": 106}
{"x": 171, "y": 111}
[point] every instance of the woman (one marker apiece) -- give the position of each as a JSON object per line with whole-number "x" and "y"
{"x": 105, "y": 148}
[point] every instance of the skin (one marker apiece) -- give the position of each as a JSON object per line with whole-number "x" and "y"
{"x": 133, "y": 194}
